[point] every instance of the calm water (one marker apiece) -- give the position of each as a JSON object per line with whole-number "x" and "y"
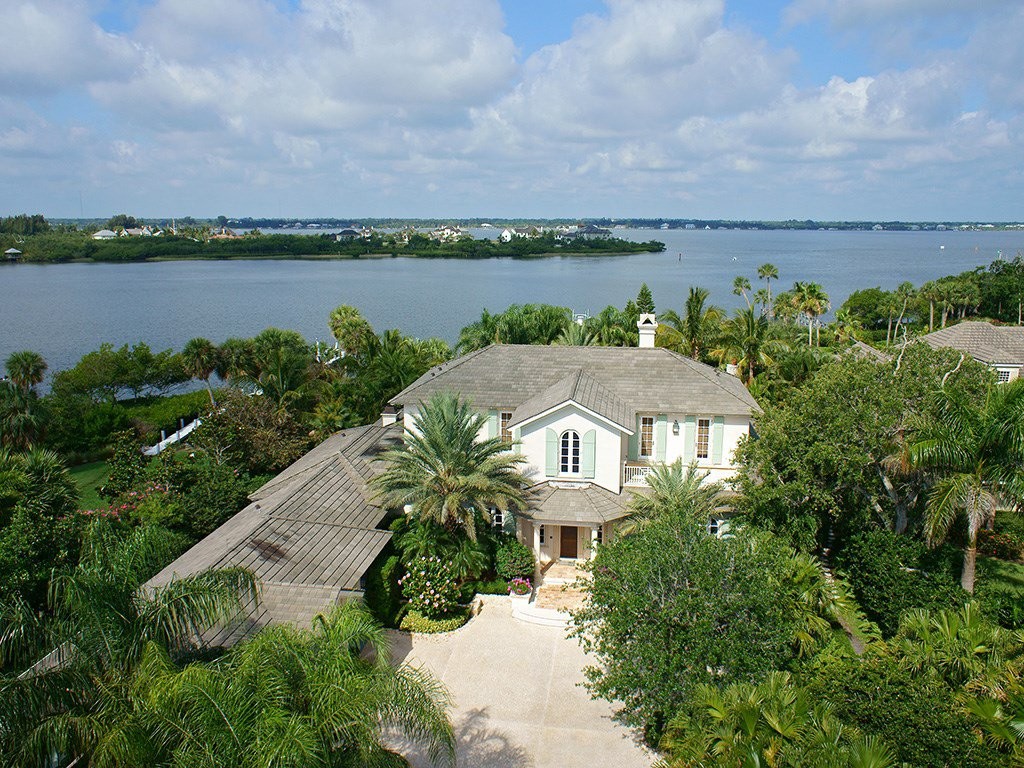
{"x": 63, "y": 311}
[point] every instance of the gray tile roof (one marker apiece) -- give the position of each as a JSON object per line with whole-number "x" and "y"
{"x": 309, "y": 535}
{"x": 648, "y": 380}
{"x": 581, "y": 388}
{"x": 588, "y": 503}
{"x": 983, "y": 341}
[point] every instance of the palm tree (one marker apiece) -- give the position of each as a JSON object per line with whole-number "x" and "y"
{"x": 22, "y": 420}
{"x": 445, "y": 474}
{"x": 201, "y": 358}
{"x": 675, "y": 489}
{"x": 812, "y": 301}
{"x": 975, "y": 451}
{"x": 771, "y": 723}
{"x": 325, "y": 696}
{"x": 904, "y": 294}
{"x": 700, "y": 323}
{"x": 351, "y": 330}
{"x": 576, "y": 335}
{"x": 478, "y": 334}
{"x": 80, "y": 654}
{"x": 740, "y": 286}
{"x": 26, "y": 369}
{"x": 768, "y": 272}
{"x": 751, "y": 341}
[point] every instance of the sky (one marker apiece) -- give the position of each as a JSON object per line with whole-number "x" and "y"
{"x": 746, "y": 109}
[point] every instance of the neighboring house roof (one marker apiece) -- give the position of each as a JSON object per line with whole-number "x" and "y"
{"x": 104, "y": 234}
{"x": 587, "y": 504}
{"x": 584, "y": 390}
{"x": 992, "y": 344}
{"x": 653, "y": 380}
{"x": 309, "y": 535}
{"x": 860, "y": 349}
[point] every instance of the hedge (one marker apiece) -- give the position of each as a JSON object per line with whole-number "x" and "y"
{"x": 416, "y": 622}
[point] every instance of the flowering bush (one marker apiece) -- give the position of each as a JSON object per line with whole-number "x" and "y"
{"x": 430, "y": 587}
{"x": 520, "y": 587}
{"x": 1005, "y": 546}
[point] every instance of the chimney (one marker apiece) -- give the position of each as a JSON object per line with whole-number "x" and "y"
{"x": 389, "y": 415}
{"x": 647, "y": 326}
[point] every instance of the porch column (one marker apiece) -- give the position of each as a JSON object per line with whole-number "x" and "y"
{"x": 536, "y": 541}
{"x": 593, "y": 540}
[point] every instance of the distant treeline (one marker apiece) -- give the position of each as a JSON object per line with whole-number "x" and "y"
{"x": 68, "y": 246}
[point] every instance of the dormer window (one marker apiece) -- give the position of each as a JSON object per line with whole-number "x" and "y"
{"x": 569, "y": 455}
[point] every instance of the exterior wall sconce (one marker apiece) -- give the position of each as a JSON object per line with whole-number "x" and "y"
{"x": 675, "y": 427}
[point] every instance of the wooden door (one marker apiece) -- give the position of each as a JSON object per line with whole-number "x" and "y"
{"x": 569, "y": 538}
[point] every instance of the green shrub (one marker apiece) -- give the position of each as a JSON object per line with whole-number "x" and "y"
{"x": 514, "y": 560}
{"x": 383, "y": 593}
{"x": 482, "y": 587}
{"x": 915, "y": 715}
{"x": 414, "y": 621}
{"x": 891, "y": 574}
{"x": 1005, "y": 546}
{"x": 431, "y": 587}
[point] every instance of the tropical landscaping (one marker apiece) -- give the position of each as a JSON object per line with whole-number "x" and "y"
{"x": 865, "y": 608}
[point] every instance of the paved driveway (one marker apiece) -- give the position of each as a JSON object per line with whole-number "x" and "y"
{"x": 518, "y": 698}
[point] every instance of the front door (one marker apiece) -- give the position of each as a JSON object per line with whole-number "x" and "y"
{"x": 568, "y": 542}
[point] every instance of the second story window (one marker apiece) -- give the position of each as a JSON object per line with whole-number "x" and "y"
{"x": 506, "y": 434}
{"x": 703, "y": 437}
{"x": 646, "y": 436}
{"x": 569, "y": 455}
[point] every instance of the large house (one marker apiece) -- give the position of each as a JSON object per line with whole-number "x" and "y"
{"x": 592, "y": 422}
{"x": 1001, "y": 347}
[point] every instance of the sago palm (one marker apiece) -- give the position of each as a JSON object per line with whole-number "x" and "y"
{"x": 975, "y": 452}
{"x": 445, "y": 473}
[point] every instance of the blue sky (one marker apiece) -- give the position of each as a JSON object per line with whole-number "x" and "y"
{"x": 848, "y": 109}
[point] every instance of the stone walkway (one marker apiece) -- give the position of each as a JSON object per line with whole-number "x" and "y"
{"x": 556, "y": 590}
{"x": 518, "y": 697}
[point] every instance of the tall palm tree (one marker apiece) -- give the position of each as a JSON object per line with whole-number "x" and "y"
{"x": 768, "y": 272}
{"x": 740, "y": 286}
{"x": 700, "y": 322}
{"x": 811, "y": 300}
{"x": 327, "y": 696}
{"x": 26, "y": 369}
{"x": 80, "y": 654}
{"x": 22, "y": 422}
{"x": 445, "y": 474}
{"x": 975, "y": 452}
{"x": 674, "y": 489}
{"x": 751, "y": 341}
{"x": 201, "y": 358}
{"x": 352, "y": 331}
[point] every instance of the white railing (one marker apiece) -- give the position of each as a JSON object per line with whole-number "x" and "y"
{"x": 167, "y": 440}
{"x": 636, "y": 474}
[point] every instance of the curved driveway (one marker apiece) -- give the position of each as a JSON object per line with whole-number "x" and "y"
{"x": 518, "y": 696}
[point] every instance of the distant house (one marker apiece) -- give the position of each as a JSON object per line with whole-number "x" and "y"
{"x": 347, "y": 234}
{"x": 1001, "y": 347}
{"x": 12, "y": 254}
{"x": 105, "y": 234}
{"x": 224, "y": 233}
{"x": 446, "y": 234}
{"x": 587, "y": 231}
{"x": 511, "y": 233}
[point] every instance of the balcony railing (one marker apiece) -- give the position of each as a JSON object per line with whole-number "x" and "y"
{"x": 635, "y": 473}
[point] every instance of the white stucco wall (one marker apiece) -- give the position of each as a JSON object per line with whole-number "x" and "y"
{"x": 533, "y": 437}
{"x": 734, "y": 428}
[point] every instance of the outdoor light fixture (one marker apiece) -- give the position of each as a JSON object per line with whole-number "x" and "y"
{"x": 675, "y": 427}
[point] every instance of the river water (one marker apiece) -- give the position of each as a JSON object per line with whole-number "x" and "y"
{"x": 65, "y": 310}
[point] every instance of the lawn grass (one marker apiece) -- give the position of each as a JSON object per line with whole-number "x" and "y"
{"x": 1002, "y": 574}
{"x": 89, "y": 477}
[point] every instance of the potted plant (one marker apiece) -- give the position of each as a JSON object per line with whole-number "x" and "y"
{"x": 520, "y": 588}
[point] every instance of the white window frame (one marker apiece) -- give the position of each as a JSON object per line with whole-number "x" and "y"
{"x": 541, "y": 534}
{"x": 497, "y": 518}
{"x": 600, "y": 534}
{"x": 704, "y": 422}
{"x": 647, "y": 428}
{"x": 1002, "y": 375}
{"x": 504, "y": 417}
{"x": 714, "y": 526}
{"x": 570, "y": 453}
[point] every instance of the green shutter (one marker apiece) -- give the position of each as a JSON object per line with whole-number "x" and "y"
{"x": 551, "y": 464}
{"x": 492, "y": 424}
{"x": 660, "y": 436}
{"x": 589, "y": 454}
{"x": 717, "y": 438}
{"x": 634, "y": 441}
{"x": 689, "y": 439}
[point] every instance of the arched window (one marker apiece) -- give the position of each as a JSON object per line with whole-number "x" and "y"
{"x": 569, "y": 456}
